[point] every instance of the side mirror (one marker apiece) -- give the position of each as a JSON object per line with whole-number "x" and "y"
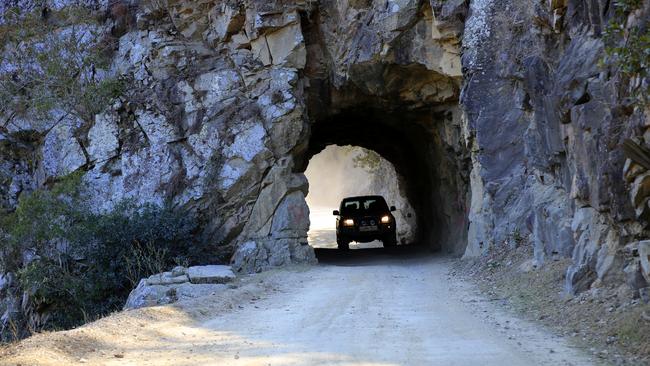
{"x": 336, "y": 213}
{"x": 392, "y": 208}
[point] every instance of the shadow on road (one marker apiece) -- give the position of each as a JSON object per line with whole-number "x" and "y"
{"x": 373, "y": 256}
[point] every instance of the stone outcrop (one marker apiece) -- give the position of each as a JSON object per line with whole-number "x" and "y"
{"x": 207, "y": 274}
{"x": 497, "y": 114}
{"x": 179, "y": 284}
{"x": 548, "y": 121}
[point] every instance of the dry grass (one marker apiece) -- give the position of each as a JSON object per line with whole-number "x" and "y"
{"x": 605, "y": 320}
{"x": 159, "y": 335}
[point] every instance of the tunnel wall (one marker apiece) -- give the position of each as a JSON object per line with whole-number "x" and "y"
{"x": 415, "y": 143}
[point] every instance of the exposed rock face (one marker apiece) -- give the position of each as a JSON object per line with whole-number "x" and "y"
{"x": 235, "y": 92}
{"x": 644, "y": 259}
{"x": 233, "y": 97}
{"x": 549, "y": 122}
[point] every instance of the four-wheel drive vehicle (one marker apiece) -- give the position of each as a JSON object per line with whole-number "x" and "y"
{"x": 364, "y": 219}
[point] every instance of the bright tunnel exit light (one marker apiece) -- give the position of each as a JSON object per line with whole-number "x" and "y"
{"x": 338, "y": 172}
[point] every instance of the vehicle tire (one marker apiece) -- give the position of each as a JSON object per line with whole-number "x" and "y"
{"x": 390, "y": 241}
{"x": 343, "y": 244}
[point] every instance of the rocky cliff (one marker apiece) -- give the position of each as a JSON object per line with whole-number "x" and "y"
{"x": 548, "y": 118}
{"x": 505, "y": 119}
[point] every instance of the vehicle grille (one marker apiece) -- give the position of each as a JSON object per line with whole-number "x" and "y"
{"x": 368, "y": 221}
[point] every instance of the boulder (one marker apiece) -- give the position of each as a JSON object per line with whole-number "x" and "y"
{"x": 644, "y": 258}
{"x": 150, "y": 295}
{"x": 179, "y": 271}
{"x": 634, "y": 276}
{"x": 153, "y": 295}
{"x": 210, "y": 274}
{"x": 166, "y": 278}
{"x": 179, "y": 284}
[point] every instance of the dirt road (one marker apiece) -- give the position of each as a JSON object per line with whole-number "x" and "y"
{"x": 367, "y": 308}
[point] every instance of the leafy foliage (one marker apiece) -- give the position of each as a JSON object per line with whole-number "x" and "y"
{"x": 368, "y": 160}
{"x": 77, "y": 265}
{"x": 628, "y": 48}
{"x": 55, "y": 61}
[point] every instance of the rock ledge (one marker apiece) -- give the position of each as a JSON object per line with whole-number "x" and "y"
{"x": 181, "y": 283}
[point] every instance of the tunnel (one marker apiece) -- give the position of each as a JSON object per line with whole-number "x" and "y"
{"x": 429, "y": 171}
{"x": 405, "y": 107}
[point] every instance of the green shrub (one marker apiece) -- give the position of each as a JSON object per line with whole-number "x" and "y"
{"x": 368, "y": 160}
{"x": 628, "y": 48}
{"x": 84, "y": 264}
{"x": 59, "y": 61}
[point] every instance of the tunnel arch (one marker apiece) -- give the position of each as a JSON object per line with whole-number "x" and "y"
{"x": 410, "y": 140}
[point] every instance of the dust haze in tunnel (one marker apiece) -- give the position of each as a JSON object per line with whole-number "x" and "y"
{"x": 430, "y": 173}
{"x": 343, "y": 171}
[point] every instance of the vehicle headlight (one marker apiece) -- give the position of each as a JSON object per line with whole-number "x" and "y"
{"x": 348, "y": 222}
{"x": 385, "y": 219}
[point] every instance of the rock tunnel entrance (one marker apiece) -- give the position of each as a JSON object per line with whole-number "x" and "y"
{"x": 392, "y": 86}
{"x": 416, "y": 143}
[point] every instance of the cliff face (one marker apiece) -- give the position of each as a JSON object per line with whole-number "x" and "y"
{"x": 497, "y": 115}
{"x": 548, "y": 121}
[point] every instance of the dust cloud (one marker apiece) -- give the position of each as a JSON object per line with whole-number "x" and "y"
{"x": 333, "y": 175}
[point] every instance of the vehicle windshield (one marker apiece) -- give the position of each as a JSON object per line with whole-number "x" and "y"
{"x": 355, "y": 206}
